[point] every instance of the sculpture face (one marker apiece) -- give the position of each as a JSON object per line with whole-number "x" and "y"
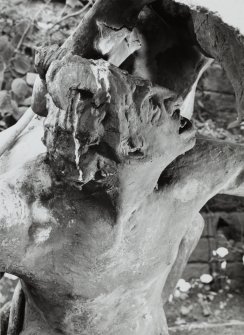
{"x": 168, "y": 132}
{"x": 110, "y": 118}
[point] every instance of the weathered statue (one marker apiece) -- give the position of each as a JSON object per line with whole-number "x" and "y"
{"x": 98, "y": 221}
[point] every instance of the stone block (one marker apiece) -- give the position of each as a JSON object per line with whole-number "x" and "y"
{"x": 203, "y": 251}
{"x": 195, "y": 270}
{"x": 235, "y": 270}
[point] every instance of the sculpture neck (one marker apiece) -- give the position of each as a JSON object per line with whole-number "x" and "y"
{"x": 137, "y": 181}
{"x": 132, "y": 183}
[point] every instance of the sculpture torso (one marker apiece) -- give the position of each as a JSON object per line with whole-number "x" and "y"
{"x": 81, "y": 263}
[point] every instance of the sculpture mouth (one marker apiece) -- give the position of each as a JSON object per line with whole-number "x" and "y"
{"x": 185, "y": 125}
{"x": 187, "y": 130}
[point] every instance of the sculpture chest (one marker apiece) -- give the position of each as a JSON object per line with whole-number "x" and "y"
{"x": 80, "y": 239}
{"x": 80, "y": 254}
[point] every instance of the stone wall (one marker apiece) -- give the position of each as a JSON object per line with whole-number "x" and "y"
{"x": 222, "y": 229}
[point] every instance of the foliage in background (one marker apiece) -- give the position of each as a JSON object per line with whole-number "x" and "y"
{"x": 24, "y": 25}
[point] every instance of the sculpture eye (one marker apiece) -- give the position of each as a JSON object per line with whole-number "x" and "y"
{"x": 168, "y": 103}
{"x": 85, "y": 94}
{"x": 154, "y": 102}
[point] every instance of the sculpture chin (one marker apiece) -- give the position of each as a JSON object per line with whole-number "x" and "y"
{"x": 190, "y": 138}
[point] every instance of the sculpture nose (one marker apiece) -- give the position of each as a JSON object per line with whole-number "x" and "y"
{"x": 176, "y": 114}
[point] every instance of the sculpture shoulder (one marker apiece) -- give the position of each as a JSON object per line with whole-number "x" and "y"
{"x": 30, "y": 180}
{"x": 21, "y": 190}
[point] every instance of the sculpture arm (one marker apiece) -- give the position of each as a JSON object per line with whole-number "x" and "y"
{"x": 187, "y": 246}
{"x": 235, "y": 186}
{"x": 211, "y": 167}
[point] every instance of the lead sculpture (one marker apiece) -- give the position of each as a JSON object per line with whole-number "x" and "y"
{"x": 100, "y": 194}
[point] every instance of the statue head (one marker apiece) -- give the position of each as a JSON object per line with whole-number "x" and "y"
{"x": 101, "y": 118}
